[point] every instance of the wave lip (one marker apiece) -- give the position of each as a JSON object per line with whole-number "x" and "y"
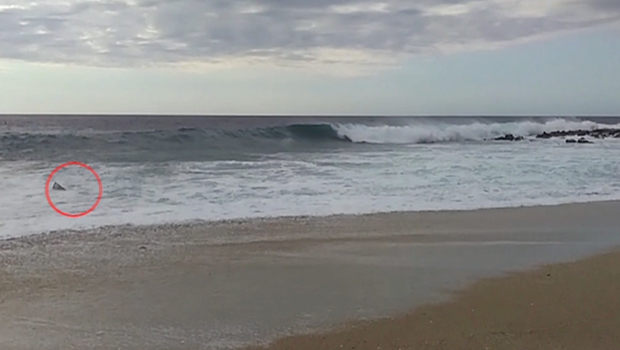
{"x": 316, "y": 132}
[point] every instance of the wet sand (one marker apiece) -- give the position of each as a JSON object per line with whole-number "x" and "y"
{"x": 563, "y": 306}
{"x": 230, "y": 284}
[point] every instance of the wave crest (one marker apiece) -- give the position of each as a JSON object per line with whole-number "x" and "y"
{"x": 428, "y": 132}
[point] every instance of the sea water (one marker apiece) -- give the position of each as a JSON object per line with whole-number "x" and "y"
{"x": 168, "y": 169}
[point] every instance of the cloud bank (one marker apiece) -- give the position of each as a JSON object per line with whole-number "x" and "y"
{"x": 342, "y": 34}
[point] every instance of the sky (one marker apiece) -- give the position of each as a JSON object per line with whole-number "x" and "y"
{"x": 310, "y": 57}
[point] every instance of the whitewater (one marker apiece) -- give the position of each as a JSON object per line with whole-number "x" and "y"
{"x": 157, "y": 170}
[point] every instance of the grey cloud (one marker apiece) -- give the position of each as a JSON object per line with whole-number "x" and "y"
{"x": 286, "y": 32}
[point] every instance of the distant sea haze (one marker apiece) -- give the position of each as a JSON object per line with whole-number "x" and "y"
{"x": 170, "y": 169}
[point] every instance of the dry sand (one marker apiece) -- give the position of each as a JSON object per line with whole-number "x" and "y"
{"x": 228, "y": 284}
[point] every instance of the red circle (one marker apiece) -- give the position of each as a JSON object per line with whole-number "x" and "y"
{"x": 47, "y": 190}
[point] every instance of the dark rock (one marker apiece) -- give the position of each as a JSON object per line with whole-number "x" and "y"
{"x": 509, "y": 137}
{"x": 544, "y": 135}
{"x": 582, "y": 140}
{"x": 596, "y": 133}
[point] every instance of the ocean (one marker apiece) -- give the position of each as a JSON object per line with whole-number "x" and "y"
{"x": 175, "y": 169}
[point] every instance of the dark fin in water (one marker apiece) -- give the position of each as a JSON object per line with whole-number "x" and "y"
{"x": 58, "y": 187}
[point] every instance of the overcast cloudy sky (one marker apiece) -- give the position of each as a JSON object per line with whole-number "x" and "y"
{"x": 415, "y": 57}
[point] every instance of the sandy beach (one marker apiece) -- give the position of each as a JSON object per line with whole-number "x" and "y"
{"x": 384, "y": 281}
{"x": 562, "y": 306}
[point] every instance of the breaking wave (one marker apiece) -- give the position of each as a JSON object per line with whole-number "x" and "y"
{"x": 444, "y": 132}
{"x": 205, "y": 144}
{"x": 179, "y": 144}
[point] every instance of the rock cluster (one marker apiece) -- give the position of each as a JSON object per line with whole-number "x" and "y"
{"x": 509, "y": 137}
{"x": 581, "y": 140}
{"x": 597, "y": 133}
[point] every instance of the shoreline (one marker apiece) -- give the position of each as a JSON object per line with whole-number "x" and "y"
{"x": 194, "y": 223}
{"x": 223, "y": 285}
{"x": 546, "y": 307}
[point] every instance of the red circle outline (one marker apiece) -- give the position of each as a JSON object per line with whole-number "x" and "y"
{"x": 47, "y": 190}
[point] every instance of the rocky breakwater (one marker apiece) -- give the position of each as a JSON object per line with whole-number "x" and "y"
{"x": 596, "y": 133}
{"x": 581, "y": 134}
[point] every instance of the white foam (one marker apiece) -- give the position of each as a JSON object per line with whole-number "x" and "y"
{"x": 420, "y": 177}
{"x": 421, "y": 132}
